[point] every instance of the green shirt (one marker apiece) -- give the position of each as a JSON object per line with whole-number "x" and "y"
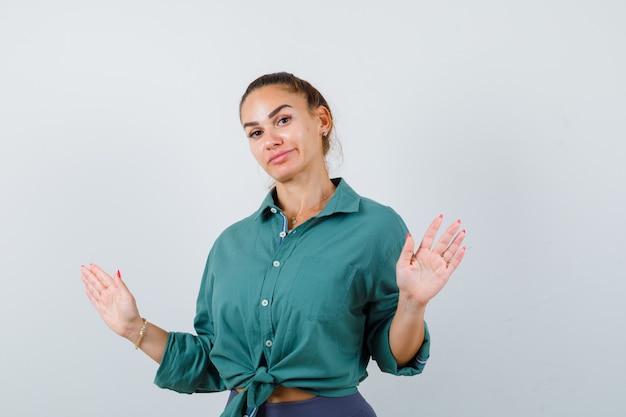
{"x": 303, "y": 309}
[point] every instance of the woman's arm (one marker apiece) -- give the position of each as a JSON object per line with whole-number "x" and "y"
{"x": 406, "y": 333}
{"x": 117, "y": 307}
{"x": 420, "y": 276}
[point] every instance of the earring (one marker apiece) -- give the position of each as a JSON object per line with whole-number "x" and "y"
{"x": 324, "y": 135}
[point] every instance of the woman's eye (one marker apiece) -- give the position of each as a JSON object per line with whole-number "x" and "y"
{"x": 284, "y": 120}
{"x": 254, "y": 134}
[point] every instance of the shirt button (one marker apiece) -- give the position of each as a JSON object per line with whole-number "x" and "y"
{"x": 276, "y": 264}
{"x": 273, "y": 210}
{"x": 265, "y": 303}
{"x": 268, "y": 343}
{"x": 283, "y": 234}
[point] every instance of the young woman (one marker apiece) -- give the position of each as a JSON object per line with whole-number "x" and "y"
{"x": 296, "y": 298}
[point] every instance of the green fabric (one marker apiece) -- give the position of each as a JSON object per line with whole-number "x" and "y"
{"x": 304, "y": 311}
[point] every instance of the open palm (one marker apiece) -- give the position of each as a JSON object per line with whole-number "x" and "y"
{"x": 111, "y": 298}
{"x": 423, "y": 273}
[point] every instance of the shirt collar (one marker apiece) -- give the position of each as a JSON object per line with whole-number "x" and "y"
{"x": 344, "y": 200}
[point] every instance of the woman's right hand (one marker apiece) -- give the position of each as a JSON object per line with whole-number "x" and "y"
{"x": 113, "y": 301}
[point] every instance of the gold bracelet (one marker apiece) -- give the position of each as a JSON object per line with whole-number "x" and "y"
{"x": 142, "y": 331}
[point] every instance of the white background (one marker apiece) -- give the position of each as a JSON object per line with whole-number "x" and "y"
{"x": 120, "y": 144}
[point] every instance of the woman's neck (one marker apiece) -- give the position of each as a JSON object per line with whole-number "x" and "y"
{"x": 304, "y": 199}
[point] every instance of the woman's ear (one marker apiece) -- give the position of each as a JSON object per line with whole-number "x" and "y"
{"x": 325, "y": 119}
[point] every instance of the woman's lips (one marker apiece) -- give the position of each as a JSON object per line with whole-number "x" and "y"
{"x": 279, "y": 157}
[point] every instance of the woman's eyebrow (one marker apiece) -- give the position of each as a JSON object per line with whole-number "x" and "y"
{"x": 269, "y": 116}
{"x": 276, "y": 110}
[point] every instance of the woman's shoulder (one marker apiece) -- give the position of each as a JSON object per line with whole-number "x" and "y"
{"x": 367, "y": 214}
{"x": 380, "y": 214}
{"x": 240, "y": 226}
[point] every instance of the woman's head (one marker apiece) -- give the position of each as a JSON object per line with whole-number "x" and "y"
{"x": 294, "y": 85}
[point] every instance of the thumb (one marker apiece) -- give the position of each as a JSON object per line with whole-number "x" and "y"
{"x": 406, "y": 256}
{"x": 119, "y": 282}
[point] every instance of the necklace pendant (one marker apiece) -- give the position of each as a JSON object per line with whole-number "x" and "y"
{"x": 293, "y": 220}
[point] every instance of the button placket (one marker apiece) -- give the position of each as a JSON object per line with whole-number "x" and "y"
{"x": 281, "y": 253}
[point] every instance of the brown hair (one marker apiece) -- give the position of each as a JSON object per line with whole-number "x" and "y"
{"x": 297, "y": 86}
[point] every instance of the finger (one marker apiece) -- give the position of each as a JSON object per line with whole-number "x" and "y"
{"x": 447, "y": 237}
{"x": 92, "y": 288}
{"x": 449, "y": 253}
{"x": 456, "y": 261}
{"x": 406, "y": 256}
{"x": 105, "y": 279}
{"x": 92, "y": 282}
{"x": 119, "y": 282}
{"x": 93, "y": 298}
{"x": 431, "y": 233}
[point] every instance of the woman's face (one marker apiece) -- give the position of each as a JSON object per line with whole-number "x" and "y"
{"x": 284, "y": 136}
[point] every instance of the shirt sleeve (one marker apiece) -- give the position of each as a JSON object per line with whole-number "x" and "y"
{"x": 384, "y": 302}
{"x": 387, "y": 363}
{"x": 186, "y": 366}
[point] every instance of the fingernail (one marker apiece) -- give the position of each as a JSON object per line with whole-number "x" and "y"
{"x": 118, "y": 274}
{"x": 408, "y": 235}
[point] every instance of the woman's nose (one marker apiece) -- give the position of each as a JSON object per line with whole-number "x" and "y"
{"x": 273, "y": 139}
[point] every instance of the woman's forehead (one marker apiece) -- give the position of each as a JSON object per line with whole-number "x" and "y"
{"x": 263, "y": 101}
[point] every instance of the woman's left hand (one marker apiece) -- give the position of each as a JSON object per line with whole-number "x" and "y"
{"x": 422, "y": 274}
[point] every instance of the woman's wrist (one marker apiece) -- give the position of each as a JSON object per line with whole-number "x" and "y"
{"x": 142, "y": 332}
{"x": 410, "y": 304}
{"x": 134, "y": 330}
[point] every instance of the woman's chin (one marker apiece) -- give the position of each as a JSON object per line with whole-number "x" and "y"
{"x": 281, "y": 173}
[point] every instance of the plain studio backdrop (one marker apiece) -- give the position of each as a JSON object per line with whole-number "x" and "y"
{"x": 120, "y": 144}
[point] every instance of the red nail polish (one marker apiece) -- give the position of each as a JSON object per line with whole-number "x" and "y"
{"x": 118, "y": 274}
{"x": 408, "y": 234}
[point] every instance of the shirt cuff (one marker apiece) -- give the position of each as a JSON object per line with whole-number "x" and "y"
{"x": 387, "y": 363}
{"x": 185, "y": 366}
